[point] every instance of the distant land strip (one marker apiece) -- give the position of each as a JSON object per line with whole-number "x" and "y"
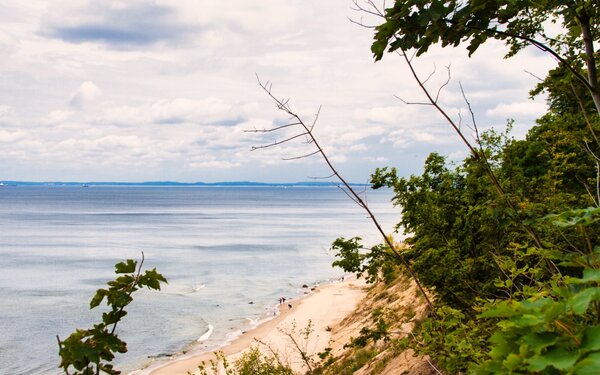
{"x": 8, "y": 183}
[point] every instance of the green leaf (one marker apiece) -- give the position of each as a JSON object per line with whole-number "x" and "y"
{"x": 580, "y": 302}
{"x": 513, "y": 362}
{"x": 557, "y": 357}
{"x": 591, "y": 274}
{"x": 591, "y": 339}
{"x": 113, "y": 317}
{"x": 502, "y": 309}
{"x": 152, "y": 279}
{"x": 540, "y": 341}
{"x": 98, "y": 297}
{"x": 126, "y": 267}
{"x": 590, "y": 365}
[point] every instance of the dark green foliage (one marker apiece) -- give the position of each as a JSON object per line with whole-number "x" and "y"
{"x": 419, "y": 24}
{"x": 456, "y": 224}
{"x": 453, "y": 340}
{"x": 372, "y": 263}
{"x": 504, "y": 239}
{"x": 555, "y": 331}
{"x": 89, "y": 351}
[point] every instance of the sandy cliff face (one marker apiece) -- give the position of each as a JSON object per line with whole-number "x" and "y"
{"x": 399, "y": 305}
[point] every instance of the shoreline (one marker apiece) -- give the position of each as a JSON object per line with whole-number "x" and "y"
{"x": 322, "y": 308}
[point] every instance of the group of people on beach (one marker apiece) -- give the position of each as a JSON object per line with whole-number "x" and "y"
{"x": 282, "y": 301}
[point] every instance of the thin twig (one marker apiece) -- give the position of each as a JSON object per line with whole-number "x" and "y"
{"x": 430, "y": 75}
{"x": 302, "y": 156}
{"x": 437, "y": 96}
{"x": 284, "y": 106}
{"x": 351, "y": 197}
{"x": 411, "y": 103}
{"x": 475, "y": 154}
{"x": 321, "y": 177}
{"x": 270, "y": 130}
{"x": 278, "y": 143}
{"x": 533, "y": 75}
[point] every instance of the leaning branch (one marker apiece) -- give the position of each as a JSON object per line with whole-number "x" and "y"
{"x": 307, "y": 130}
{"x": 476, "y": 154}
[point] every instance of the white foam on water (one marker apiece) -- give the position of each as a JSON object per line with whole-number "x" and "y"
{"x": 207, "y": 334}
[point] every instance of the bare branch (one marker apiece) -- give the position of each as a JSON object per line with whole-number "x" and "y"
{"x": 585, "y": 116}
{"x": 597, "y": 159}
{"x": 360, "y": 203}
{"x": 589, "y": 151}
{"x": 322, "y": 178}
{"x": 301, "y": 157}
{"x": 587, "y": 189}
{"x": 283, "y": 106}
{"x": 360, "y": 8}
{"x": 273, "y": 352}
{"x": 533, "y": 75}
{"x": 475, "y": 128}
{"x": 430, "y": 75}
{"x": 316, "y": 118}
{"x": 272, "y": 129}
{"x": 303, "y": 354}
{"x": 360, "y": 23}
{"x": 410, "y": 103}
{"x": 437, "y": 96}
{"x": 278, "y": 143}
{"x": 500, "y": 190}
{"x": 376, "y": 11}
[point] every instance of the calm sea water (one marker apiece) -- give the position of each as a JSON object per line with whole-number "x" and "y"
{"x": 220, "y": 248}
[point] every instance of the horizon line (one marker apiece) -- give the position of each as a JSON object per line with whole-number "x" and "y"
{"x": 170, "y": 182}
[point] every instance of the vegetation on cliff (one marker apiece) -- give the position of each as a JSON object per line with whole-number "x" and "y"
{"x": 508, "y": 240}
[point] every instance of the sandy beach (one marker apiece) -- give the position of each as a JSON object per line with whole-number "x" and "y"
{"x": 324, "y": 307}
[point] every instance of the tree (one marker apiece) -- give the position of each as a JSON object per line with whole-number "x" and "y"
{"x": 420, "y": 24}
{"x": 486, "y": 273}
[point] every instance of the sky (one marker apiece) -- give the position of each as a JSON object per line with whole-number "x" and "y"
{"x": 164, "y": 90}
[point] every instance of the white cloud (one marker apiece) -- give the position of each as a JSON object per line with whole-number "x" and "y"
{"x": 169, "y": 87}
{"x": 186, "y": 110}
{"x": 7, "y": 114}
{"x": 11, "y": 136}
{"x": 86, "y": 94}
{"x": 391, "y": 115}
{"x": 57, "y": 117}
{"x": 518, "y": 109}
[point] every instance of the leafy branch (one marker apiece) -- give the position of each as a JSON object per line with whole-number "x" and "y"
{"x": 90, "y": 351}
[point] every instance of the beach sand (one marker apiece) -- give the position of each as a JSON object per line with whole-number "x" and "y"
{"x": 324, "y": 308}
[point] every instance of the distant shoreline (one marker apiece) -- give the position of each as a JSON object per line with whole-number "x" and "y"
{"x": 8, "y": 183}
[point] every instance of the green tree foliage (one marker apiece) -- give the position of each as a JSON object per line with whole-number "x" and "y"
{"x": 468, "y": 248}
{"x": 506, "y": 302}
{"x": 557, "y": 329}
{"x": 420, "y": 24}
{"x": 91, "y": 351}
{"x": 373, "y": 264}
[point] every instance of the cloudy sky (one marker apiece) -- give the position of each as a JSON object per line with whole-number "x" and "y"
{"x": 163, "y": 90}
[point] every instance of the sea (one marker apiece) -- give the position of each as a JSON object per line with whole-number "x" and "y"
{"x": 229, "y": 254}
